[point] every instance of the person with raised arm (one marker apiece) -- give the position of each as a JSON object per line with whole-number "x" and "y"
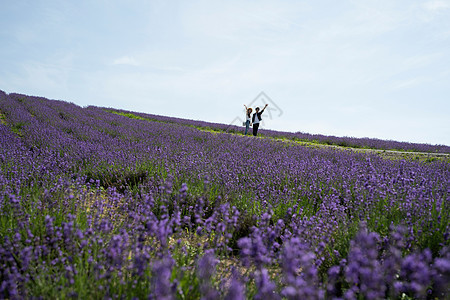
{"x": 256, "y": 119}
{"x": 248, "y": 118}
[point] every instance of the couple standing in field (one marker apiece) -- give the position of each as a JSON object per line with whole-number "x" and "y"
{"x": 255, "y": 119}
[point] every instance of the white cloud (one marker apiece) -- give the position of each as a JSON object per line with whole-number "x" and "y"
{"x": 126, "y": 60}
{"x": 419, "y": 61}
{"x": 39, "y": 79}
{"x": 239, "y": 21}
{"x": 409, "y": 83}
{"x": 437, "y": 5}
{"x": 434, "y": 10}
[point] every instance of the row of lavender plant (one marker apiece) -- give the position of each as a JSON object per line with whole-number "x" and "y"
{"x": 95, "y": 204}
{"x": 370, "y": 143}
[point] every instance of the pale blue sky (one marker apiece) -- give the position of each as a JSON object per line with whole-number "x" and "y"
{"x": 347, "y": 68}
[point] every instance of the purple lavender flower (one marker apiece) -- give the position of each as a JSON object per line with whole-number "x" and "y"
{"x": 206, "y": 271}
{"x": 236, "y": 290}
{"x": 300, "y": 273}
{"x": 162, "y": 287}
{"x": 264, "y": 286}
{"x": 363, "y": 271}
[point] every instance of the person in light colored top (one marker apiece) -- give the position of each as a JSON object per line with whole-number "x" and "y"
{"x": 248, "y": 118}
{"x": 256, "y": 119}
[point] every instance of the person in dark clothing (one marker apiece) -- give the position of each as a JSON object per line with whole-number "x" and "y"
{"x": 256, "y": 119}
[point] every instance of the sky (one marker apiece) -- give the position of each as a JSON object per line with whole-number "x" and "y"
{"x": 361, "y": 68}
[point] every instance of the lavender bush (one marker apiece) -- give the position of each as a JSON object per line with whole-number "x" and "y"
{"x": 99, "y": 205}
{"x": 367, "y": 143}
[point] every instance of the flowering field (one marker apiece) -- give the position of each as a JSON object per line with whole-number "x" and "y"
{"x": 364, "y": 143}
{"x": 94, "y": 204}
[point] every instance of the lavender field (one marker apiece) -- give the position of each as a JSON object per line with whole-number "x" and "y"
{"x": 102, "y": 203}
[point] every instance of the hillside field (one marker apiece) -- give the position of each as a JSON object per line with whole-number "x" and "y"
{"x": 104, "y": 203}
